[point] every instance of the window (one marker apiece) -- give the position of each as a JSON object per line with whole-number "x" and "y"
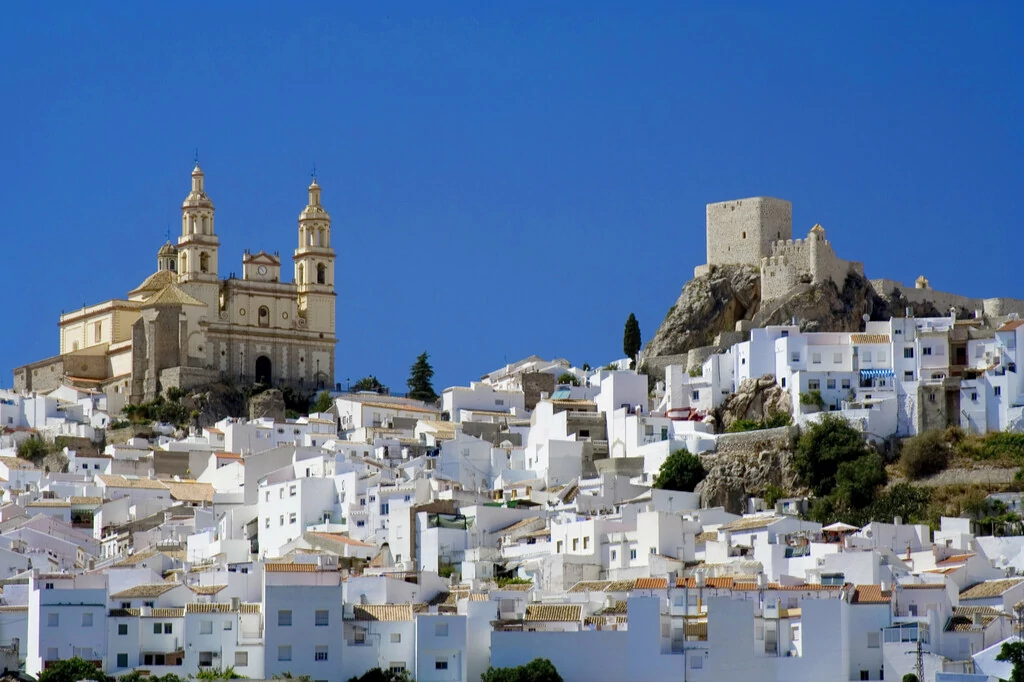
{"x": 359, "y": 637}
{"x": 908, "y": 376}
{"x": 830, "y": 384}
{"x": 384, "y": 508}
{"x": 499, "y": 401}
{"x": 241, "y": 658}
{"x": 785, "y": 333}
{"x": 654, "y": 551}
{"x": 926, "y": 350}
{"x": 122, "y": 660}
{"x": 908, "y": 352}
{"x": 53, "y": 619}
{"x": 615, "y": 554}
{"x": 794, "y": 357}
{"x": 783, "y": 382}
{"x": 86, "y": 619}
{"x": 632, "y": 554}
{"x": 97, "y": 332}
{"x": 291, "y": 491}
{"x": 863, "y": 675}
{"x": 158, "y": 628}
{"x": 558, "y": 546}
{"x": 695, "y": 395}
{"x": 51, "y": 653}
{"x": 396, "y": 637}
{"x": 696, "y": 662}
{"x": 122, "y": 629}
{"x": 874, "y": 639}
{"x": 586, "y": 542}
{"x": 998, "y": 391}
{"x": 284, "y": 653}
{"x": 149, "y": 603}
{"x": 866, "y": 356}
{"x": 845, "y": 384}
{"x": 267, "y": 525}
{"x": 321, "y": 618}
{"x": 396, "y": 667}
{"x": 292, "y": 518}
{"x": 268, "y": 496}
{"x": 206, "y": 658}
{"x": 320, "y": 654}
{"x": 974, "y": 396}
{"x": 815, "y": 358}
{"x": 227, "y": 625}
{"x": 813, "y": 385}
{"x": 280, "y": 521}
{"x": 575, "y": 544}
{"x": 837, "y": 357}
{"x": 882, "y": 356}
{"x": 441, "y": 664}
{"x": 441, "y": 629}
{"x": 284, "y": 617}
{"x": 205, "y": 627}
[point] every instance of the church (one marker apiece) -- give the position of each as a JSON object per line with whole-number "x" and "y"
{"x": 184, "y": 326}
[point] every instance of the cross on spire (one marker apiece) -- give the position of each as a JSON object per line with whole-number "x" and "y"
{"x": 197, "y": 156}
{"x": 313, "y": 174}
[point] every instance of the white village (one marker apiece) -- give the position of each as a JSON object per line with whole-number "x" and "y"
{"x": 187, "y": 487}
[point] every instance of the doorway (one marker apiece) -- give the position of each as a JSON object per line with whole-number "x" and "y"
{"x": 263, "y": 370}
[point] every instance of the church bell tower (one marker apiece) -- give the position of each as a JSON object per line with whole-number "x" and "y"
{"x": 314, "y": 265}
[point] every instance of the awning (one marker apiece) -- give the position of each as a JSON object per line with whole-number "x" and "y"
{"x": 880, "y": 372}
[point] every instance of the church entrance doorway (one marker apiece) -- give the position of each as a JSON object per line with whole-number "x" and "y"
{"x": 263, "y": 370}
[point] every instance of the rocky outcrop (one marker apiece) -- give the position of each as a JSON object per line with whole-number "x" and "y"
{"x": 708, "y": 305}
{"x": 746, "y": 465}
{"x": 715, "y": 302}
{"x": 756, "y": 399}
{"x": 269, "y": 403}
{"x": 214, "y": 403}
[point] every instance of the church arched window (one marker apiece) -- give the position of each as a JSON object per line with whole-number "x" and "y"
{"x": 184, "y": 263}
{"x": 263, "y": 316}
{"x": 301, "y": 275}
{"x": 204, "y": 262}
{"x": 321, "y": 274}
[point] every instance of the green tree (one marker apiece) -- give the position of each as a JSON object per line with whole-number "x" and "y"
{"x": 681, "y": 471}
{"x": 216, "y": 674}
{"x": 1012, "y": 652}
{"x": 631, "y": 339}
{"x": 857, "y": 480}
{"x": 539, "y": 669}
{"x": 568, "y": 378}
{"x": 822, "y": 448}
{"x": 925, "y": 454}
{"x": 369, "y": 383}
{"x": 323, "y": 403}
{"x": 74, "y": 669}
{"x": 909, "y": 677}
{"x": 420, "y": 375}
{"x": 34, "y": 449}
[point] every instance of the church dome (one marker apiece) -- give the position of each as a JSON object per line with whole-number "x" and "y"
{"x": 168, "y": 250}
{"x": 314, "y": 210}
{"x": 197, "y": 198}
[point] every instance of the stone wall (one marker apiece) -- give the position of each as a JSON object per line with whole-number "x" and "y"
{"x": 534, "y": 383}
{"x": 186, "y": 378}
{"x": 742, "y": 231}
{"x": 747, "y": 443}
{"x": 809, "y": 260}
{"x": 43, "y": 376}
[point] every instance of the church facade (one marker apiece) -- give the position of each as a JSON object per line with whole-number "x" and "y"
{"x": 184, "y": 326}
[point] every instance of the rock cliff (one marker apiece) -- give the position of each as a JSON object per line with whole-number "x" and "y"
{"x": 756, "y": 399}
{"x": 715, "y": 302}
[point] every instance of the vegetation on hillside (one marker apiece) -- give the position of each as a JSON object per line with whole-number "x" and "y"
{"x": 773, "y": 420}
{"x": 631, "y": 341}
{"x": 420, "y": 376}
{"x": 539, "y": 669}
{"x": 369, "y": 383}
{"x": 681, "y": 471}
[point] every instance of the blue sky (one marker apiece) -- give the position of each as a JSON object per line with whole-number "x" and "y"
{"x": 503, "y": 179}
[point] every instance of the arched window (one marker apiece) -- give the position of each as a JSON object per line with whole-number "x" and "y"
{"x": 309, "y": 237}
{"x": 323, "y": 237}
{"x": 321, "y": 274}
{"x": 263, "y": 316}
{"x": 184, "y": 263}
{"x": 301, "y": 275}
{"x": 204, "y": 262}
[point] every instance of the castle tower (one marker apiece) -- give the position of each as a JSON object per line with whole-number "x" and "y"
{"x": 815, "y": 239}
{"x": 167, "y": 258}
{"x": 198, "y": 244}
{"x": 314, "y": 265}
{"x": 742, "y": 231}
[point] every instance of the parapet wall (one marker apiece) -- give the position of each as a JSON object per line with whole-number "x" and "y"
{"x": 742, "y": 231}
{"x": 810, "y": 260}
{"x": 943, "y": 301}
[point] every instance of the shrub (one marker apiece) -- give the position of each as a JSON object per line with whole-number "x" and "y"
{"x": 744, "y": 425}
{"x": 681, "y": 471}
{"x": 925, "y": 454}
{"x": 175, "y": 393}
{"x": 812, "y": 398}
{"x": 446, "y": 570}
{"x": 539, "y": 669}
{"x": 323, "y": 403}
{"x": 568, "y": 378}
{"x": 1012, "y": 652}
{"x": 910, "y": 677}
{"x": 822, "y": 448}
{"x": 74, "y": 669}
{"x": 378, "y": 674}
{"x": 777, "y": 419}
{"x": 772, "y": 494}
{"x": 34, "y": 449}
{"x": 503, "y": 581}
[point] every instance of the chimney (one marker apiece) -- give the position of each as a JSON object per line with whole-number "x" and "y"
{"x": 885, "y": 586}
{"x": 908, "y": 552}
{"x": 976, "y": 620}
{"x": 909, "y": 312}
{"x": 897, "y": 520}
{"x": 236, "y": 604}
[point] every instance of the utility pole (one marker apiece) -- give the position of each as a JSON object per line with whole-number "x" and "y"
{"x": 919, "y": 665}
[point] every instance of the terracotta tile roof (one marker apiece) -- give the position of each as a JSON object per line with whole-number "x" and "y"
{"x": 1010, "y": 326}
{"x": 442, "y": 430}
{"x": 750, "y": 523}
{"x": 705, "y": 536}
{"x": 49, "y": 504}
{"x": 190, "y": 491}
{"x": 117, "y": 481}
{"x": 963, "y": 618}
{"x": 136, "y": 558}
{"x": 870, "y": 594}
{"x": 214, "y": 430}
{"x": 158, "y": 612}
{"x": 13, "y": 608}
{"x": 519, "y": 587}
{"x": 145, "y": 590}
{"x": 547, "y": 612}
{"x": 869, "y": 338}
{"x": 208, "y": 590}
{"x": 215, "y": 607}
{"x": 696, "y": 629}
{"x": 86, "y": 500}
{"x": 14, "y": 463}
{"x": 382, "y": 612}
{"x": 290, "y": 567}
{"x": 618, "y": 607}
{"x": 518, "y": 525}
{"x": 955, "y": 559}
{"x": 735, "y": 583}
{"x": 342, "y": 538}
{"x": 172, "y": 295}
{"x": 651, "y": 583}
{"x": 989, "y": 589}
{"x": 398, "y": 406}
{"x": 923, "y": 586}
{"x": 154, "y": 282}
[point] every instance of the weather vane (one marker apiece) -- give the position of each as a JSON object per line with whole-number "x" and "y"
{"x": 313, "y": 174}
{"x": 197, "y": 156}
{"x": 168, "y": 232}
